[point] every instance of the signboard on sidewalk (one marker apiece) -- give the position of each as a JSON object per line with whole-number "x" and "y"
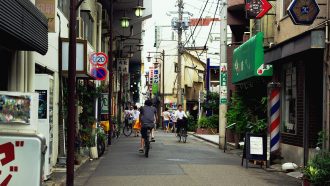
{"x": 255, "y": 148}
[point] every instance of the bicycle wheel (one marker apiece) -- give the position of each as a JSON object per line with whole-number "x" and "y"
{"x": 146, "y": 147}
{"x": 184, "y": 136}
{"x": 100, "y": 147}
{"x": 178, "y": 135}
{"x": 127, "y": 130}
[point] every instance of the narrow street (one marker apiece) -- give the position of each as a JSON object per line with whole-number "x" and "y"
{"x": 173, "y": 163}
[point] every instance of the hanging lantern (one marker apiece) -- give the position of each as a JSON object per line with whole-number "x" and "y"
{"x": 139, "y": 11}
{"x": 124, "y": 22}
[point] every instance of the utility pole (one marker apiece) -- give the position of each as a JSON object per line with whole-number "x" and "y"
{"x": 223, "y": 74}
{"x": 71, "y": 95}
{"x": 163, "y": 80}
{"x": 110, "y": 67}
{"x": 179, "y": 89}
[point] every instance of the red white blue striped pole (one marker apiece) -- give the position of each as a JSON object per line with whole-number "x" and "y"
{"x": 274, "y": 127}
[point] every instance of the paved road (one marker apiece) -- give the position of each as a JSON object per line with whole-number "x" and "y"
{"x": 171, "y": 163}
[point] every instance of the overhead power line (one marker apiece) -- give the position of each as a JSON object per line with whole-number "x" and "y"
{"x": 200, "y": 17}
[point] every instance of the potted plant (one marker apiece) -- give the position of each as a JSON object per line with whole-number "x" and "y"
{"x": 88, "y": 140}
{"x": 317, "y": 171}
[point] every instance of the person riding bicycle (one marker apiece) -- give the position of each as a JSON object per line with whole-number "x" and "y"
{"x": 181, "y": 119}
{"x": 148, "y": 118}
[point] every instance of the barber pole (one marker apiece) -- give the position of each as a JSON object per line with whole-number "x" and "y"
{"x": 274, "y": 127}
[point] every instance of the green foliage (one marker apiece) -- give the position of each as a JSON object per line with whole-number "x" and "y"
{"x": 321, "y": 138}
{"x": 318, "y": 169}
{"x": 87, "y": 137}
{"x": 209, "y": 122}
{"x": 213, "y": 102}
{"x": 257, "y": 127}
{"x": 202, "y": 122}
{"x": 238, "y": 113}
{"x": 87, "y": 95}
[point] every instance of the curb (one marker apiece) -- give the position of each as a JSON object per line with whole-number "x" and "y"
{"x": 62, "y": 180}
{"x": 207, "y": 140}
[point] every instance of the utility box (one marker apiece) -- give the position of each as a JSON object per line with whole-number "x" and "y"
{"x": 22, "y": 158}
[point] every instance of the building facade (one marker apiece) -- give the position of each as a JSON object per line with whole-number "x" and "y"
{"x": 298, "y": 58}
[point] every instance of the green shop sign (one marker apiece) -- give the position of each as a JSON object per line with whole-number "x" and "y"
{"x": 248, "y": 60}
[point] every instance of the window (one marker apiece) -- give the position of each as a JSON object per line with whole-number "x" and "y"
{"x": 175, "y": 67}
{"x": 64, "y": 6}
{"x": 289, "y": 107}
{"x": 285, "y": 5}
{"x": 88, "y": 26}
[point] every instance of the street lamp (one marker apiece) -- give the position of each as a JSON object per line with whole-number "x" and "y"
{"x": 139, "y": 10}
{"x": 124, "y": 22}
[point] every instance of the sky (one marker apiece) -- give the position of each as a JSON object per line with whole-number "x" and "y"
{"x": 164, "y": 10}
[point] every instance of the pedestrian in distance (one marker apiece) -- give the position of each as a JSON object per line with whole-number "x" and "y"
{"x": 136, "y": 115}
{"x": 148, "y": 118}
{"x": 173, "y": 119}
{"x": 166, "y": 119}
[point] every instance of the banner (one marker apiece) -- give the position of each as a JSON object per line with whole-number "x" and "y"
{"x": 155, "y": 81}
{"x": 47, "y": 7}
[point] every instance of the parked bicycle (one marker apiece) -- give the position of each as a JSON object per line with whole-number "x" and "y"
{"x": 101, "y": 139}
{"x": 115, "y": 131}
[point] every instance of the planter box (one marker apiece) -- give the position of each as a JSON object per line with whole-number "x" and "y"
{"x": 206, "y": 131}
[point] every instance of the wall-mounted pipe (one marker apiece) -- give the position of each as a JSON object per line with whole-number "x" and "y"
{"x": 99, "y": 26}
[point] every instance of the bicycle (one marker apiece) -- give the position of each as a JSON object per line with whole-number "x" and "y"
{"x": 128, "y": 129}
{"x": 182, "y": 135}
{"x": 101, "y": 138}
{"x": 147, "y": 145}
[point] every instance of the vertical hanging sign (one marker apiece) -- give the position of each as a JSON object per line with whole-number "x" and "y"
{"x": 155, "y": 81}
{"x": 223, "y": 83}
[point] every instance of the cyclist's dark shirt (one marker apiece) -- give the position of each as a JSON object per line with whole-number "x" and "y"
{"x": 148, "y": 114}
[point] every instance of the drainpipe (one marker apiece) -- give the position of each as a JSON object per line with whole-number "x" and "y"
{"x": 99, "y": 24}
{"x": 326, "y": 86}
{"x": 30, "y": 71}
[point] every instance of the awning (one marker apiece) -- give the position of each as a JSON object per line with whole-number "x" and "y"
{"x": 310, "y": 40}
{"x": 23, "y": 26}
{"x": 248, "y": 60}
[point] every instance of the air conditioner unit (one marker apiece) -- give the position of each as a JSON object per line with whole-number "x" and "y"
{"x": 80, "y": 28}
